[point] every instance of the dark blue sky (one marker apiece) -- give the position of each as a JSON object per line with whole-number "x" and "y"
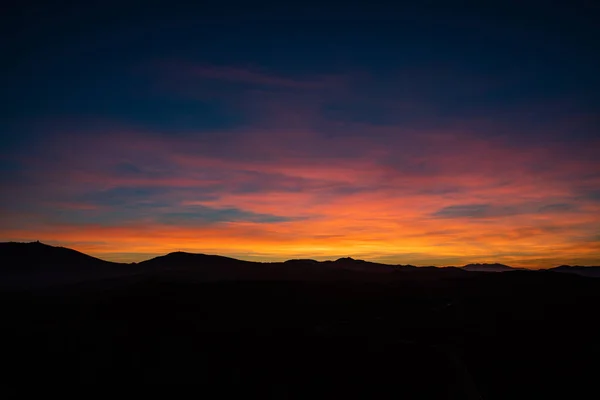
{"x": 92, "y": 92}
{"x": 103, "y": 59}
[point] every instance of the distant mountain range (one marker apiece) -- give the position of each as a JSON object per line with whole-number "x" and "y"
{"x": 593, "y": 272}
{"x": 48, "y": 264}
{"x": 489, "y": 267}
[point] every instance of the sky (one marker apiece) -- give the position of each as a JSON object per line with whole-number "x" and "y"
{"x": 424, "y": 134}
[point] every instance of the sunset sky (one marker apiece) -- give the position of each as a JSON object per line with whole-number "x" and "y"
{"x": 436, "y": 136}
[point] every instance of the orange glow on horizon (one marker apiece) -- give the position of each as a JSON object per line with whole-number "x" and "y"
{"x": 463, "y": 200}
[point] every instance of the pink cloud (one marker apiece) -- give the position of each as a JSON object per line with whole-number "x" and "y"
{"x": 252, "y": 76}
{"x": 374, "y": 191}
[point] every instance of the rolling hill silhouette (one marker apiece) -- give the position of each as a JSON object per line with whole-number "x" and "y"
{"x": 38, "y": 256}
{"x": 39, "y": 264}
{"x": 180, "y": 259}
{"x": 45, "y": 264}
{"x": 212, "y": 267}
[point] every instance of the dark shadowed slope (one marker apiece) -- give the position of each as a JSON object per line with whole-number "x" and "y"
{"x": 201, "y": 266}
{"x": 592, "y": 272}
{"x": 524, "y": 334}
{"x": 36, "y": 264}
{"x": 351, "y": 264}
{"x": 26, "y": 257}
{"x": 211, "y": 267}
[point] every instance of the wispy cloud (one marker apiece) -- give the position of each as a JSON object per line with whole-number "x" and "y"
{"x": 499, "y": 211}
{"x": 252, "y": 76}
{"x": 202, "y": 215}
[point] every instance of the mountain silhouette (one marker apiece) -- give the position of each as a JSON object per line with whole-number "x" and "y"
{"x": 212, "y": 267}
{"x": 207, "y": 267}
{"x": 42, "y": 264}
{"x": 183, "y": 259}
{"x": 32, "y": 256}
{"x": 301, "y": 261}
{"x": 351, "y": 264}
{"x": 37, "y": 264}
{"x": 488, "y": 267}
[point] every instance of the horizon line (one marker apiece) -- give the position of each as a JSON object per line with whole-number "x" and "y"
{"x": 155, "y": 255}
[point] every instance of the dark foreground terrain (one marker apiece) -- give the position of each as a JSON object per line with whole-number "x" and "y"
{"x": 298, "y": 330}
{"x": 492, "y": 335}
